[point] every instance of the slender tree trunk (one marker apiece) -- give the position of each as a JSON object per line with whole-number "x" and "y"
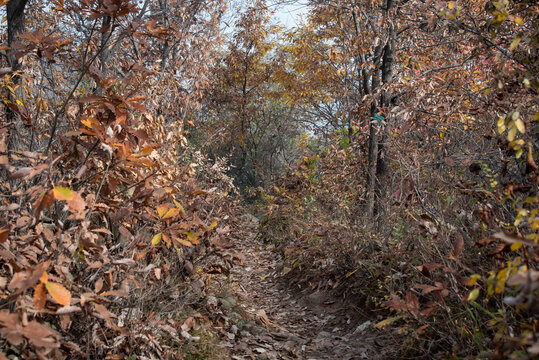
{"x": 15, "y": 27}
{"x": 387, "y": 75}
{"x": 379, "y": 132}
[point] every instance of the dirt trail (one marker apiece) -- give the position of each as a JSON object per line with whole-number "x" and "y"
{"x": 274, "y": 321}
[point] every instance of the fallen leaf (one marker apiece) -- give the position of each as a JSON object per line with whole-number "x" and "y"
{"x": 387, "y": 321}
{"x": 63, "y": 193}
{"x": 25, "y": 279}
{"x": 3, "y": 235}
{"x": 156, "y": 239}
{"x": 59, "y": 293}
{"x": 68, "y": 310}
{"x": 40, "y": 296}
{"x": 458, "y": 244}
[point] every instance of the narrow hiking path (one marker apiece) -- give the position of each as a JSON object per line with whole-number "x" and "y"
{"x": 277, "y": 321}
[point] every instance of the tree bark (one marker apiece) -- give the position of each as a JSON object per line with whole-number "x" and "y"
{"x": 379, "y": 133}
{"x": 15, "y": 27}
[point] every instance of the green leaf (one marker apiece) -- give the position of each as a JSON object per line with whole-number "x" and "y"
{"x": 473, "y": 295}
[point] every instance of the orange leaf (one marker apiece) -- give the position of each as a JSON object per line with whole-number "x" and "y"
{"x": 166, "y": 239}
{"x": 40, "y": 296}
{"x": 59, "y": 293}
{"x": 161, "y": 210}
{"x": 184, "y": 242}
{"x": 90, "y": 122}
{"x": 44, "y": 278}
{"x": 171, "y": 213}
{"x": 63, "y": 193}
{"x": 3, "y": 235}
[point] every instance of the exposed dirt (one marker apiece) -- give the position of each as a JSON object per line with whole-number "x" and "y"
{"x": 268, "y": 319}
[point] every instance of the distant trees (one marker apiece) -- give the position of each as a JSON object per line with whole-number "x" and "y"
{"x": 247, "y": 117}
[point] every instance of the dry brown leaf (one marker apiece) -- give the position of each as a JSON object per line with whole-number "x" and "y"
{"x": 68, "y": 310}
{"x": 25, "y": 279}
{"x": 458, "y": 244}
{"x": 41, "y": 335}
{"x": 3, "y": 235}
{"x": 98, "y": 285}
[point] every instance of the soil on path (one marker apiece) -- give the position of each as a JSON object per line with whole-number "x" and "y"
{"x": 272, "y": 320}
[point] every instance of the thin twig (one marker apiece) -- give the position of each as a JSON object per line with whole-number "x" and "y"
{"x": 85, "y": 69}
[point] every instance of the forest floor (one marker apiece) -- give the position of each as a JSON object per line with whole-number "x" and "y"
{"x": 266, "y": 318}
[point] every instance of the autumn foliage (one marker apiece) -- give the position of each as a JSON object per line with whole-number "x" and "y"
{"x": 436, "y": 102}
{"x": 109, "y": 220}
{"x": 389, "y": 147}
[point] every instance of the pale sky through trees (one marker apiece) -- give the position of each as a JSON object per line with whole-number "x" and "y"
{"x": 289, "y": 15}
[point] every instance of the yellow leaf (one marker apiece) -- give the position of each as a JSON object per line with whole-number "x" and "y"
{"x": 519, "y": 21}
{"x": 59, "y": 293}
{"x": 171, "y": 213}
{"x": 473, "y": 279}
{"x": 473, "y": 295}
{"x": 90, "y": 122}
{"x": 387, "y": 321}
{"x": 501, "y": 125}
{"x": 516, "y": 246}
{"x": 520, "y": 126}
{"x": 502, "y": 274}
{"x": 156, "y": 239}
{"x": 162, "y": 210}
{"x": 63, "y": 193}
{"x": 179, "y": 206}
{"x": 213, "y": 225}
{"x": 512, "y": 133}
{"x": 514, "y": 44}
{"x": 536, "y": 116}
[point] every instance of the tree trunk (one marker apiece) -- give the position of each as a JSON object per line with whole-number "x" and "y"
{"x": 382, "y": 161}
{"x": 379, "y": 132}
{"x": 15, "y": 26}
